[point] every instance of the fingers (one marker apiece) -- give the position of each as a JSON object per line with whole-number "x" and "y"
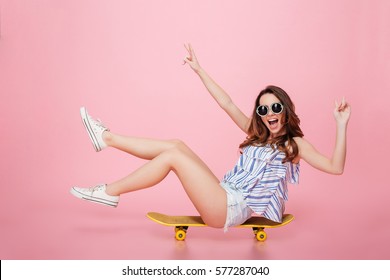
{"x": 342, "y": 106}
{"x": 190, "y": 50}
{"x": 187, "y": 46}
{"x": 190, "y": 58}
{"x": 186, "y": 60}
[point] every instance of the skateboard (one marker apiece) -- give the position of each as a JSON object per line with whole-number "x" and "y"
{"x": 182, "y": 223}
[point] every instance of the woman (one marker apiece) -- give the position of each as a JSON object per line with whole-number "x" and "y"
{"x": 258, "y": 182}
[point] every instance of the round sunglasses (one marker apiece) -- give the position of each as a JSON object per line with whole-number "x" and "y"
{"x": 276, "y": 108}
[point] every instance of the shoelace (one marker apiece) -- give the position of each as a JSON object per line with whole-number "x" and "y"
{"x": 96, "y": 188}
{"x": 99, "y": 124}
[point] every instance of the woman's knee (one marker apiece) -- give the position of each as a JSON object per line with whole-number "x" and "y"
{"x": 176, "y": 142}
{"x": 179, "y": 145}
{"x": 172, "y": 154}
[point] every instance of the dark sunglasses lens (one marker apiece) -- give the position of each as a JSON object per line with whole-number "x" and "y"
{"x": 262, "y": 110}
{"x": 277, "y": 108}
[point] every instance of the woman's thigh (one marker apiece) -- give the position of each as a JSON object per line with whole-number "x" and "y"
{"x": 201, "y": 185}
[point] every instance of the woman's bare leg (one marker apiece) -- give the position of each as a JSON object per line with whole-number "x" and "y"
{"x": 200, "y": 184}
{"x": 140, "y": 147}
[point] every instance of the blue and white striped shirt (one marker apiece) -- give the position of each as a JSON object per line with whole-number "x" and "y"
{"x": 262, "y": 177}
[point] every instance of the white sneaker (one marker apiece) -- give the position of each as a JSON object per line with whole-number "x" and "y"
{"x": 96, "y": 194}
{"x": 95, "y": 130}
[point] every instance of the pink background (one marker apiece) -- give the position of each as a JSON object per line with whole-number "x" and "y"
{"x": 122, "y": 59}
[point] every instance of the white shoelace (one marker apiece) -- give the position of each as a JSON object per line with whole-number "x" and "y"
{"x": 96, "y": 188}
{"x": 98, "y": 123}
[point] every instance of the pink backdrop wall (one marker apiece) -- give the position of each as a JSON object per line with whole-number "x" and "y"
{"x": 123, "y": 60}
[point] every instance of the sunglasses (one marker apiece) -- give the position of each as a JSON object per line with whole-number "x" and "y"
{"x": 276, "y": 108}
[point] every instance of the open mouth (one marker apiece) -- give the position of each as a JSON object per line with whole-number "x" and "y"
{"x": 273, "y": 123}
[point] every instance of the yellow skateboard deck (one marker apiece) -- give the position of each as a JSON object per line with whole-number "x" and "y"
{"x": 182, "y": 223}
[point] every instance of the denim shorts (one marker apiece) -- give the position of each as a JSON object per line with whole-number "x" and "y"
{"x": 237, "y": 209}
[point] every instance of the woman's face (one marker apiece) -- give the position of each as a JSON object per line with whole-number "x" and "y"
{"x": 274, "y": 122}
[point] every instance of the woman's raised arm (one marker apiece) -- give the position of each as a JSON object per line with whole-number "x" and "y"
{"x": 335, "y": 164}
{"x": 220, "y": 96}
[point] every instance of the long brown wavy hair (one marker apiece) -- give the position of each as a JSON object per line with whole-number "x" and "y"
{"x": 258, "y": 133}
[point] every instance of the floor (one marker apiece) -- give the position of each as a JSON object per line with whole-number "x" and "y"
{"x": 75, "y": 229}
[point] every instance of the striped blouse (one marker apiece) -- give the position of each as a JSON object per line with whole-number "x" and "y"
{"x": 263, "y": 178}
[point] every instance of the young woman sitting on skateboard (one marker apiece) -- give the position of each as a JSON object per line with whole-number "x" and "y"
{"x": 257, "y": 184}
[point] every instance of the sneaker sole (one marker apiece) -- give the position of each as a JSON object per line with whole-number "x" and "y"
{"x": 93, "y": 199}
{"x": 88, "y": 127}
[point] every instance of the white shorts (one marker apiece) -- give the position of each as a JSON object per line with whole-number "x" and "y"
{"x": 237, "y": 209}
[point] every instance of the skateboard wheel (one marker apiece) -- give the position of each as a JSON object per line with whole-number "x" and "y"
{"x": 261, "y": 235}
{"x": 180, "y": 234}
